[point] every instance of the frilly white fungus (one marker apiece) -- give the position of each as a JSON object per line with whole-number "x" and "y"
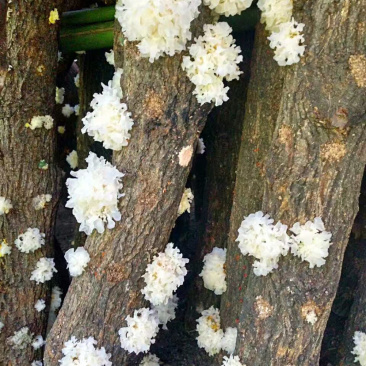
{"x": 55, "y": 298}
{"x": 40, "y": 201}
{"x": 166, "y": 312}
{"x": 94, "y": 194}
{"x": 359, "y": 350}
{"x": 38, "y": 342}
{"x": 60, "y": 95}
{"x": 213, "y": 272}
{"x": 40, "y": 305}
{"x": 77, "y": 80}
{"x": 5, "y": 206}
{"x": 311, "y": 242}
{"x": 150, "y": 360}
{"x": 5, "y": 249}
{"x": 40, "y": 121}
{"x": 232, "y": 361}
{"x": 77, "y": 260}
{"x": 288, "y": 43}
{"x": 67, "y": 110}
{"x": 140, "y": 332}
{"x": 210, "y": 335}
{"x": 109, "y": 56}
{"x": 84, "y": 353}
{"x": 77, "y": 109}
{"x": 164, "y": 275}
{"x": 30, "y": 241}
{"x": 45, "y": 268}
{"x": 275, "y": 12}
{"x": 163, "y": 25}
{"x": 311, "y": 317}
{"x": 109, "y": 122}
{"x": 73, "y": 159}
{"x": 185, "y": 203}
{"x": 261, "y": 239}
{"x": 20, "y": 339}
{"x": 200, "y": 147}
{"x": 212, "y": 59}
{"x": 228, "y": 7}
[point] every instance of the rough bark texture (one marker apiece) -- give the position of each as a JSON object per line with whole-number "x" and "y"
{"x": 27, "y": 89}
{"x": 167, "y": 118}
{"x": 311, "y": 168}
{"x": 222, "y": 137}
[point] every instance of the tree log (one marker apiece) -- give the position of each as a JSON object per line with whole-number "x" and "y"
{"x": 311, "y": 167}
{"x": 167, "y": 119}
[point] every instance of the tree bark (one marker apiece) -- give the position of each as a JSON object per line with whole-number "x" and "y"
{"x": 167, "y": 119}
{"x": 311, "y": 168}
{"x": 27, "y": 89}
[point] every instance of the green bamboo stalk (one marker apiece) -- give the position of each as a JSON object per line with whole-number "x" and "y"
{"x": 91, "y": 29}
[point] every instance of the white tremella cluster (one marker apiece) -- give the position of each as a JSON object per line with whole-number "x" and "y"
{"x": 210, "y": 335}
{"x": 185, "y": 202}
{"x": 140, "y": 332}
{"x": 45, "y": 268}
{"x": 359, "y": 350}
{"x": 38, "y": 342}
{"x": 160, "y": 26}
{"x": 30, "y": 241}
{"x": 67, "y": 110}
{"x": 77, "y": 260}
{"x": 311, "y": 242}
{"x": 213, "y": 272}
{"x": 60, "y": 95}
{"x": 55, "y": 298}
{"x": 164, "y": 275}
{"x": 286, "y": 37}
{"x": 84, "y": 353}
{"x": 39, "y": 122}
{"x": 166, "y": 312}
{"x": 109, "y": 122}
{"x": 94, "y": 194}
{"x": 232, "y": 361}
{"x": 150, "y": 360}
{"x": 40, "y": 201}
{"x": 5, "y": 206}
{"x": 212, "y": 59}
{"x": 40, "y": 305}
{"x": 73, "y": 159}
{"x": 5, "y": 249}
{"x": 228, "y": 7}
{"x": 109, "y": 56}
{"x": 260, "y": 238}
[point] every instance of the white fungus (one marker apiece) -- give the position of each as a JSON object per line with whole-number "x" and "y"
{"x": 5, "y": 206}
{"x": 228, "y": 7}
{"x": 45, "y": 268}
{"x": 39, "y": 122}
{"x": 150, "y": 360}
{"x": 200, "y": 147}
{"x": 39, "y": 202}
{"x": 288, "y": 43}
{"x": 77, "y": 109}
{"x": 311, "y": 317}
{"x": 311, "y": 242}
{"x": 40, "y": 305}
{"x": 55, "y": 298}
{"x": 5, "y": 249}
{"x": 232, "y": 361}
{"x": 163, "y": 25}
{"x": 60, "y": 95}
{"x": 164, "y": 275}
{"x": 261, "y": 239}
{"x": 67, "y": 110}
{"x": 185, "y": 202}
{"x": 109, "y": 122}
{"x": 140, "y": 332}
{"x": 94, "y": 194}
{"x": 77, "y": 80}
{"x": 359, "y": 350}
{"x": 228, "y": 342}
{"x": 275, "y": 12}
{"x": 77, "y": 260}
{"x": 213, "y": 58}
{"x": 84, "y": 353}
{"x": 166, "y": 312}
{"x": 21, "y": 339}
{"x": 73, "y": 159}
{"x": 213, "y": 272}
{"x": 109, "y": 56}
{"x": 38, "y": 342}
{"x": 30, "y": 241}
